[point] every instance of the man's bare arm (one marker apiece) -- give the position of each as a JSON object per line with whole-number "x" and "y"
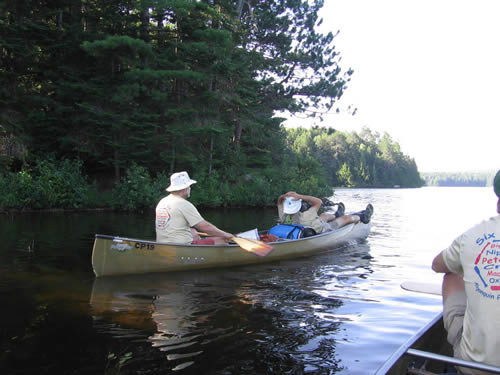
{"x": 210, "y": 229}
{"x": 438, "y": 264}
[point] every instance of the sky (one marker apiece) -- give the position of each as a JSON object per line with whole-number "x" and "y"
{"x": 427, "y": 72}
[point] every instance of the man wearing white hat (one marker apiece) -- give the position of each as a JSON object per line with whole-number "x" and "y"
{"x": 289, "y": 210}
{"x": 178, "y": 220}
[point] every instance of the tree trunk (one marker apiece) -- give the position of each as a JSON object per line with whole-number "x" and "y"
{"x": 76, "y": 12}
{"x": 172, "y": 159}
{"x": 238, "y": 128}
{"x": 210, "y": 155}
{"x": 116, "y": 165}
{"x": 145, "y": 23}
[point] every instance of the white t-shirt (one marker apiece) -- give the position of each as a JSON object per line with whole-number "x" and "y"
{"x": 174, "y": 218}
{"x": 476, "y": 255}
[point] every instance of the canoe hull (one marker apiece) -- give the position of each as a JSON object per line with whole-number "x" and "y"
{"x": 432, "y": 337}
{"x": 113, "y": 255}
{"x": 428, "y": 352}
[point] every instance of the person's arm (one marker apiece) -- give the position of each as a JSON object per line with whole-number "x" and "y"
{"x": 452, "y": 282}
{"x": 281, "y": 199}
{"x": 313, "y": 201}
{"x": 210, "y": 229}
{"x": 438, "y": 264}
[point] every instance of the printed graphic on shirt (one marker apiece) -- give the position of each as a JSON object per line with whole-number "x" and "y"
{"x": 487, "y": 266}
{"x": 162, "y": 218}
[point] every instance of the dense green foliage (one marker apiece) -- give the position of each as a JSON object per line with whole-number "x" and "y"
{"x": 49, "y": 184}
{"x": 167, "y": 84}
{"x": 356, "y": 160}
{"x": 53, "y": 184}
{"x": 134, "y": 90}
{"x": 459, "y": 179}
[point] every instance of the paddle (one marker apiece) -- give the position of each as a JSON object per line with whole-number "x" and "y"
{"x": 256, "y": 247}
{"x": 428, "y": 288}
{"x": 253, "y": 246}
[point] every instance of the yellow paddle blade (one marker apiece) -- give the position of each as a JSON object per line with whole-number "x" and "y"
{"x": 253, "y": 246}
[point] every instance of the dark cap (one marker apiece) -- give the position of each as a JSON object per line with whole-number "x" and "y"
{"x": 496, "y": 184}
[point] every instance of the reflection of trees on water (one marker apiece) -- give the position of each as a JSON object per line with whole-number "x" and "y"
{"x": 220, "y": 322}
{"x": 47, "y": 330}
{"x": 275, "y": 318}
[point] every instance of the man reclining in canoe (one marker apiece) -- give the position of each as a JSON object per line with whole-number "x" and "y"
{"x": 178, "y": 220}
{"x": 471, "y": 291}
{"x": 291, "y": 211}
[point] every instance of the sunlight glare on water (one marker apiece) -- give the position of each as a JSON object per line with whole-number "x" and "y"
{"x": 410, "y": 226}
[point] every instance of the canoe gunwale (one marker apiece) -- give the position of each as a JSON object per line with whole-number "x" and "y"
{"x": 114, "y": 255}
{"x": 452, "y": 360}
{"x": 399, "y": 362}
{"x": 120, "y": 238}
{"x": 346, "y": 228}
{"x": 392, "y": 361}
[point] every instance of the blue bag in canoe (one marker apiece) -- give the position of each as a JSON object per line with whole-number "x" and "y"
{"x": 287, "y": 231}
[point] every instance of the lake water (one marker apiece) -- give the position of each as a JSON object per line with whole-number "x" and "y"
{"x": 339, "y": 312}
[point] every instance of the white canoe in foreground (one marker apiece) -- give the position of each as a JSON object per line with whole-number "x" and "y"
{"x": 120, "y": 256}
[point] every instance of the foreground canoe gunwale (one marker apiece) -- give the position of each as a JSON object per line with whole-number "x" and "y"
{"x": 396, "y": 363}
{"x": 115, "y": 255}
{"x": 453, "y": 360}
{"x": 393, "y": 360}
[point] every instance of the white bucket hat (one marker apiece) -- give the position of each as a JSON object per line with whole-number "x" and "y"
{"x": 291, "y": 205}
{"x": 180, "y": 181}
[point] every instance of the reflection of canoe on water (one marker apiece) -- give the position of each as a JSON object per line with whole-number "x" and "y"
{"x": 118, "y": 256}
{"x": 166, "y": 312}
{"x": 428, "y": 352}
{"x": 207, "y": 321}
{"x": 144, "y": 302}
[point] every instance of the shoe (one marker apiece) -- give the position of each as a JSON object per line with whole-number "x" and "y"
{"x": 327, "y": 202}
{"x": 366, "y": 215}
{"x": 340, "y": 209}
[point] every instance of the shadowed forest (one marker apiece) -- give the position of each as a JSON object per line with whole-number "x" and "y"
{"x": 101, "y": 100}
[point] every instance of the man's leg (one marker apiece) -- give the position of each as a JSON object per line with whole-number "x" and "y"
{"x": 347, "y": 219}
{"x": 325, "y": 216}
{"x": 452, "y": 283}
{"x": 340, "y": 221}
{"x": 454, "y": 301}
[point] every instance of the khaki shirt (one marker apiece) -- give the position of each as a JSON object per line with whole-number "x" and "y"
{"x": 174, "y": 218}
{"x": 307, "y": 218}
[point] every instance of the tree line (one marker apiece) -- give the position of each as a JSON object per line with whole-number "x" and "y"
{"x": 350, "y": 159}
{"x": 472, "y": 179}
{"x": 125, "y": 89}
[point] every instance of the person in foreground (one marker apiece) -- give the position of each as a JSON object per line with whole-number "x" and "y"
{"x": 471, "y": 291}
{"x": 291, "y": 211}
{"x": 178, "y": 220}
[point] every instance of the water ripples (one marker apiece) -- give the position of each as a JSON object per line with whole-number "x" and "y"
{"x": 339, "y": 312}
